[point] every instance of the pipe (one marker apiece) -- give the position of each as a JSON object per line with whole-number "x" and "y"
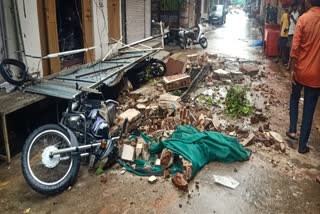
{"x": 68, "y": 52}
{"x": 75, "y": 148}
{"x": 19, "y": 30}
{"x": 3, "y": 29}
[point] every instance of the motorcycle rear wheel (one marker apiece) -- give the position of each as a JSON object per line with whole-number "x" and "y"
{"x": 158, "y": 68}
{"x": 182, "y": 43}
{"x": 45, "y": 174}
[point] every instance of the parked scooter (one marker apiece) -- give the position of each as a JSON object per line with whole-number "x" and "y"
{"x": 191, "y": 37}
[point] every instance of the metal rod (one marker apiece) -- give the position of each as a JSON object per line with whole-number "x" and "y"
{"x": 117, "y": 42}
{"x": 68, "y": 157}
{"x": 141, "y": 50}
{"x": 65, "y": 53}
{"x": 76, "y": 80}
{"x": 74, "y": 148}
{"x": 127, "y": 57}
{"x": 162, "y": 38}
{"x": 115, "y": 62}
{"x": 137, "y": 42}
{"x": 99, "y": 71}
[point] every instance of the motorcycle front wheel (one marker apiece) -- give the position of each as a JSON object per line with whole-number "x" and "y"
{"x": 45, "y": 173}
{"x": 203, "y": 43}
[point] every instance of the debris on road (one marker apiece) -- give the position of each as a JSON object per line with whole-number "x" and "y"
{"x": 249, "y": 69}
{"x": 152, "y": 179}
{"x": 226, "y": 181}
{"x": 249, "y": 140}
{"x": 180, "y": 182}
{"x": 128, "y": 152}
{"x": 173, "y": 122}
{"x": 176, "y": 82}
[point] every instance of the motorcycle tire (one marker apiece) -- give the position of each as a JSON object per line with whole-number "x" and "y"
{"x": 158, "y": 68}
{"x": 8, "y": 75}
{"x": 50, "y": 165}
{"x": 203, "y": 43}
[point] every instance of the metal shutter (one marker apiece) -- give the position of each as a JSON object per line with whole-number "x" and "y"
{"x": 135, "y": 20}
{"x": 147, "y": 20}
{"x": 138, "y": 19}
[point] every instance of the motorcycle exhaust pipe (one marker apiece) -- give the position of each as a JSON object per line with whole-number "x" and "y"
{"x": 74, "y": 149}
{"x": 79, "y": 148}
{"x": 68, "y": 157}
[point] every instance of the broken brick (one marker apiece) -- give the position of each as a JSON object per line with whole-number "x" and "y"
{"x": 166, "y": 173}
{"x": 176, "y": 82}
{"x": 249, "y": 140}
{"x": 179, "y": 181}
{"x": 175, "y": 66}
{"x": 130, "y": 114}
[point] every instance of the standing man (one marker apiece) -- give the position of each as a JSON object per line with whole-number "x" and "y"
{"x": 283, "y": 49}
{"x": 293, "y": 18}
{"x": 305, "y": 68}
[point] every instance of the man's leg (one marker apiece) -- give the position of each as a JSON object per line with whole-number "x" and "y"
{"x": 286, "y": 51}
{"x": 311, "y": 96}
{"x": 294, "y": 108}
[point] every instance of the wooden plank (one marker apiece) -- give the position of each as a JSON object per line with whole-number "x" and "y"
{"x": 5, "y": 137}
{"x": 16, "y": 100}
{"x": 43, "y": 37}
{"x": 87, "y": 26}
{"x": 52, "y": 34}
{"x": 113, "y": 20}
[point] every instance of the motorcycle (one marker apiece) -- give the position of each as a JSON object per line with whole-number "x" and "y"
{"x": 189, "y": 37}
{"x": 52, "y": 153}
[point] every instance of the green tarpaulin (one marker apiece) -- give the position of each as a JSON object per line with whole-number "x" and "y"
{"x": 201, "y": 148}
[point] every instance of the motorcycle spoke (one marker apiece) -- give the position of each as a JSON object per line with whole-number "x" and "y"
{"x": 49, "y": 170}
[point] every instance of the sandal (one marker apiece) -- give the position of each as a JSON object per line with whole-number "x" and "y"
{"x": 289, "y": 135}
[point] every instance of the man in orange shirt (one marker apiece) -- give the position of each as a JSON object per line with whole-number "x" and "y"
{"x": 305, "y": 68}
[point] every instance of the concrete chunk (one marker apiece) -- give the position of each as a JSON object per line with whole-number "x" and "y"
{"x": 127, "y": 153}
{"x": 131, "y": 114}
{"x": 152, "y": 179}
{"x": 249, "y": 140}
{"x": 249, "y": 69}
{"x": 222, "y": 74}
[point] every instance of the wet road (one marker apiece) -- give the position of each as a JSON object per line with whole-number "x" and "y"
{"x": 263, "y": 188}
{"x": 234, "y": 38}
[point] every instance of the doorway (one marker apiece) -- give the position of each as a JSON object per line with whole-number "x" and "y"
{"x": 70, "y": 33}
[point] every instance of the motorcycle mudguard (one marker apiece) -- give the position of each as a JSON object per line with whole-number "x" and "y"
{"x": 202, "y": 36}
{"x": 73, "y": 138}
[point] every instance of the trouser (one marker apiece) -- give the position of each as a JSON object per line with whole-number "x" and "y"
{"x": 283, "y": 49}
{"x": 311, "y": 96}
{"x": 294, "y": 106}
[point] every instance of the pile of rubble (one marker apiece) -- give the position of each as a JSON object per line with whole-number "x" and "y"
{"x": 203, "y": 83}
